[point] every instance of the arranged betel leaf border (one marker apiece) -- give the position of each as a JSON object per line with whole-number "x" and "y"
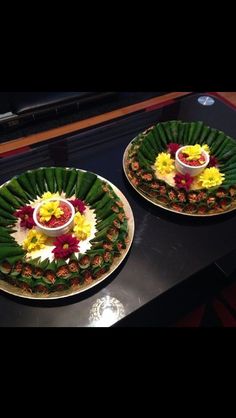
{"x": 141, "y": 153}
{"x": 112, "y": 241}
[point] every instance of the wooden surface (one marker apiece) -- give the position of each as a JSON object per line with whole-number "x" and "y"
{"x": 228, "y": 95}
{"x": 77, "y": 126}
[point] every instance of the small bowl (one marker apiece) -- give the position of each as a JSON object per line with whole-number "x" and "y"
{"x": 59, "y": 230}
{"x": 191, "y": 170}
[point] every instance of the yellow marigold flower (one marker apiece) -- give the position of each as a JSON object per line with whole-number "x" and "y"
{"x": 78, "y": 217}
{"x": 164, "y": 164}
{"x": 206, "y": 148}
{"x": 34, "y": 240}
{"x": 49, "y": 195}
{"x": 194, "y": 152}
{"x": 211, "y": 177}
{"x": 82, "y": 228}
{"x": 48, "y": 209}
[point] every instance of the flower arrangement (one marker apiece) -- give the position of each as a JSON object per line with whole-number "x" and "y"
{"x": 192, "y": 156}
{"x": 194, "y": 153}
{"x": 38, "y": 202}
{"x": 53, "y": 214}
{"x": 187, "y": 167}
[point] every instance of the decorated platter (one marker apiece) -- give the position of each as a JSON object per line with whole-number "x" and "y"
{"x": 62, "y": 231}
{"x": 184, "y": 167}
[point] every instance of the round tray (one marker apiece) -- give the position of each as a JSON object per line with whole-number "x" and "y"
{"x": 154, "y": 200}
{"x": 17, "y": 291}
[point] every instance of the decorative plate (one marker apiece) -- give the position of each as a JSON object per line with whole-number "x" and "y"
{"x": 166, "y": 175}
{"x": 62, "y": 231}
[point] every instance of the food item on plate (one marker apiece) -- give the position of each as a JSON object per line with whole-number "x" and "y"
{"x": 186, "y": 167}
{"x": 42, "y": 264}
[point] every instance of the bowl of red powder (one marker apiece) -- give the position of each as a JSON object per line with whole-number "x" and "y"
{"x": 192, "y": 167}
{"x": 58, "y": 224}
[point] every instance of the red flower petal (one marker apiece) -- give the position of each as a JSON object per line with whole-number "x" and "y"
{"x": 183, "y": 181}
{"x": 78, "y": 205}
{"x": 26, "y": 216}
{"x": 65, "y": 245}
{"x": 213, "y": 161}
{"x": 172, "y": 148}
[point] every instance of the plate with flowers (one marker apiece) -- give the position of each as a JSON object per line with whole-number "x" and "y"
{"x": 184, "y": 167}
{"x": 62, "y": 231}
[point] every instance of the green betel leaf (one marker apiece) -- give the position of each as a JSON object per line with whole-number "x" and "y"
{"x": 166, "y": 127}
{"x": 16, "y": 189}
{"x": 9, "y": 197}
{"x": 58, "y": 177}
{"x": 26, "y": 185}
{"x": 40, "y": 181}
{"x": 31, "y": 177}
{"x": 197, "y": 133}
{"x": 7, "y": 251}
{"x": 50, "y": 179}
{"x": 65, "y": 178}
{"x": 88, "y": 180}
{"x": 70, "y": 188}
{"x": 6, "y": 206}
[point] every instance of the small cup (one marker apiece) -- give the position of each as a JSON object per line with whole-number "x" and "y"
{"x": 59, "y": 230}
{"x": 191, "y": 170}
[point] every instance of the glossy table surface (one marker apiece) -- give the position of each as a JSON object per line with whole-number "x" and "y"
{"x": 167, "y": 248}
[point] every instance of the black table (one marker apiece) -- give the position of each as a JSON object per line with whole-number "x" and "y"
{"x": 167, "y": 249}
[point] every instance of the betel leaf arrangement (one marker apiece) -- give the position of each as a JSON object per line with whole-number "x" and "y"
{"x": 60, "y": 229}
{"x": 186, "y": 167}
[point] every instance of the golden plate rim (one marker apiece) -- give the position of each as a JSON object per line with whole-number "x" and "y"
{"x": 16, "y": 291}
{"x": 195, "y": 215}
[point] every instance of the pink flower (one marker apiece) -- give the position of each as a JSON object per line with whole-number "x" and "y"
{"x": 172, "y": 148}
{"x": 78, "y": 205}
{"x": 26, "y": 215}
{"x": 183, "y": 181}
{"x": 65, "y": 246}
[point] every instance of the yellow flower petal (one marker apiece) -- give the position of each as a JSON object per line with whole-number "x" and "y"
{"x": 211, "y": 177}
{"x": 34, "y": 240}
{"x": 48, "y": 209}
{"x": 164, "y": 164}
{"x": 49, "y": 195}
{"x": 193, "y": 151}
{"x": 82, "y": 228}
{"x": 206, "y": 148}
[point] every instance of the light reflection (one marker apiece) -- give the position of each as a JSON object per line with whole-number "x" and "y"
{"x": 206, "y": 100}
{"x": 106, "y": 311}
